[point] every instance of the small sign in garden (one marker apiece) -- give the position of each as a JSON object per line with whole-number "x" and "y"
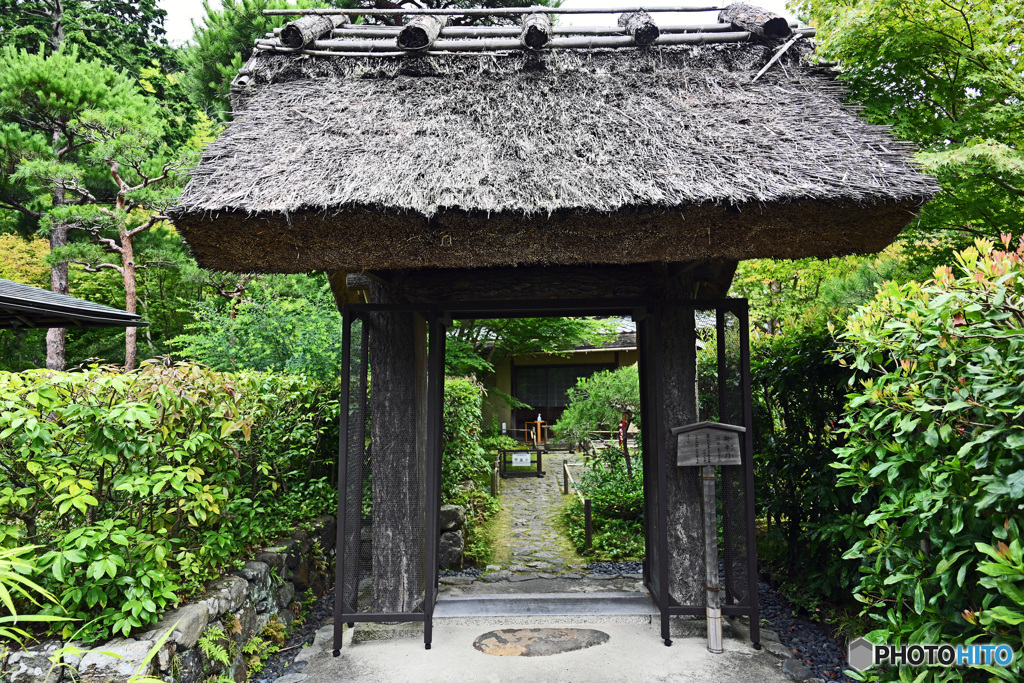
{"x": 520, "y": 460}
{"x": 708, "y": 443}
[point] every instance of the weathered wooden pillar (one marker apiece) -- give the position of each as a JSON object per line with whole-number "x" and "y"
{"x": 398, "y": 428}
{"x": 685, "y": 526}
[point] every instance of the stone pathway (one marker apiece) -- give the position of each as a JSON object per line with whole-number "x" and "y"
{"x": 538, "y": 544}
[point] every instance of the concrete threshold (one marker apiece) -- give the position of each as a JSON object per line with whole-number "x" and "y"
{"x": 613, "y": 604}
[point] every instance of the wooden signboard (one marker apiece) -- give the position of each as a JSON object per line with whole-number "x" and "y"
{"x": 708, "y": 443}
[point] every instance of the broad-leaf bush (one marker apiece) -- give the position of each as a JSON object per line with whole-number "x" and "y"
{"x": 138, "y": 486}
{"x": 935, "y": 436}
{"x": 463, "y": 463}
{"x": 617, "y": 508}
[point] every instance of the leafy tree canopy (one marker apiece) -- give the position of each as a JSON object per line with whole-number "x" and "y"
{"x": 947, "y": 75}
{"x": 479, "y": 346}
{"x": 125, "y": 35}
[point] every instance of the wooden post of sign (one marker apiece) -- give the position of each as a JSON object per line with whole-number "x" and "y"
{"x": 708, "y": 445}
{"x": 714, "y": 604}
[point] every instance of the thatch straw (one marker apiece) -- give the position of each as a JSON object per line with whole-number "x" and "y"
{"x": 609, "y": 156}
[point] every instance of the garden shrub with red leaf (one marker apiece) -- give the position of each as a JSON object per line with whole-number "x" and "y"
{"x": 136, "y": 487}
{"x": 935, "y": 436}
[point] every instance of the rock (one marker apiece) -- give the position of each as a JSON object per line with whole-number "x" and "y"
{"x": 328, "y": 532}
{"x": 291, "y": 678}
{"x": 284, "y": 594}
{"x": 452, "y": 517}
{"x": 33, "y": 665}
{"x": 468, "y": 485}
{"x": 502, "y": 575}
{"x": 492, "y": 568}
{"x": 165, "y": 656}
{"x": 457, "y": 580}
{"x": 283, "y": 555}
{"x": 257, "y": 574}
{"x": 239, "y": 671}
{"x": 189, "y": 622}
{"x": 795, "y": 670}
{"x": 225, "y": 595}
{"x": 524, "y": 577}
{"x": 301, "y": 577}
{"x": 246, "y": 619}
{"x": 452, "y": 545}
{"x": 99, "y": 667}
{"x": 303, "y": 540}
{"x": 187, "y": 667}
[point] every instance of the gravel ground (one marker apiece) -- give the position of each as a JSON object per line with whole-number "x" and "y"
{"x": 475, "y": 572}
{"x": 615, "y": 567}
{"x": 811, "y": 642}
{"x": 282, "y": 663}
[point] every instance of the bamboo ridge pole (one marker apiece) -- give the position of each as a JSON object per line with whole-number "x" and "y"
{"x": 536, "y": 31}
{"x": 640, "y": 26}
{"x": 302, "y": 32}
{"x": 324, "y": 47}
{"x": 370, "y": 31}
{"x": 482, "y": 12}
{"x": 420, "y": 32}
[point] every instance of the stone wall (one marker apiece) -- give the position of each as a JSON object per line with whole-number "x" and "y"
{"x": 240, "y": 604}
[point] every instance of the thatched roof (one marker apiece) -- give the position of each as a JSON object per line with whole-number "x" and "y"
{"x": 628, "y": 155}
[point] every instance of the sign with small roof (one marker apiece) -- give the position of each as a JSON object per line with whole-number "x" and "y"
{"x": 708, "y": 443}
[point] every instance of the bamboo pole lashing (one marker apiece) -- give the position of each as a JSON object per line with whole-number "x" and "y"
{"x": 374, "y": 31}
{"x": 484, "y": 12}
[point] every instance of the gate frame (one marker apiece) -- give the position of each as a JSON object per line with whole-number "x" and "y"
{"x": 647, "y": 314}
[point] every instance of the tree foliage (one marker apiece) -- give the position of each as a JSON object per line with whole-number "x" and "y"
{"x": 598, "y": 403}
{"x": 125, "y": 35}
{"x": 81, "y": 138}
{"x": 224, "y": 41}
{"x": 948, "y": 76}
{"x": 935, "y": 441}
{"x": 479, "y": 346}
{"x": 285, "y": 324}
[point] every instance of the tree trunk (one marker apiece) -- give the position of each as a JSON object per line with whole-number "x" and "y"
{"x": 131, "y": 344}
{"x": 397, "y": 357}
{"x": 56, "y": 25}
{"x": 56, "y": 337}
{"x": 685, "y": 522}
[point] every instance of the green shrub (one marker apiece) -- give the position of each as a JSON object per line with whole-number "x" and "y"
{"x": 617, "y": 510}
{"x": 140, "y": 486}
{"x": 936, "y": 439}
{"x": 799, "y": 391}
{"x": 492, "y": 444}
{"x": 463, "y": 460}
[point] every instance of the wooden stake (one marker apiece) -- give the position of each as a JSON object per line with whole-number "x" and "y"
{"x": 640, "y": 26}
{"x": 302, "y": 32}
{"x": 420, "y": 32}
{"x": 536, "y": 31}
{"x": 756, "y": 20}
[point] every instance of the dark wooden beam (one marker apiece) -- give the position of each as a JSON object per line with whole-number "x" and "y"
{"x": 710, "y": 279}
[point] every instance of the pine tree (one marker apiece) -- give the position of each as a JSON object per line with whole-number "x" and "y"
{"x": 81, "y": 149}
